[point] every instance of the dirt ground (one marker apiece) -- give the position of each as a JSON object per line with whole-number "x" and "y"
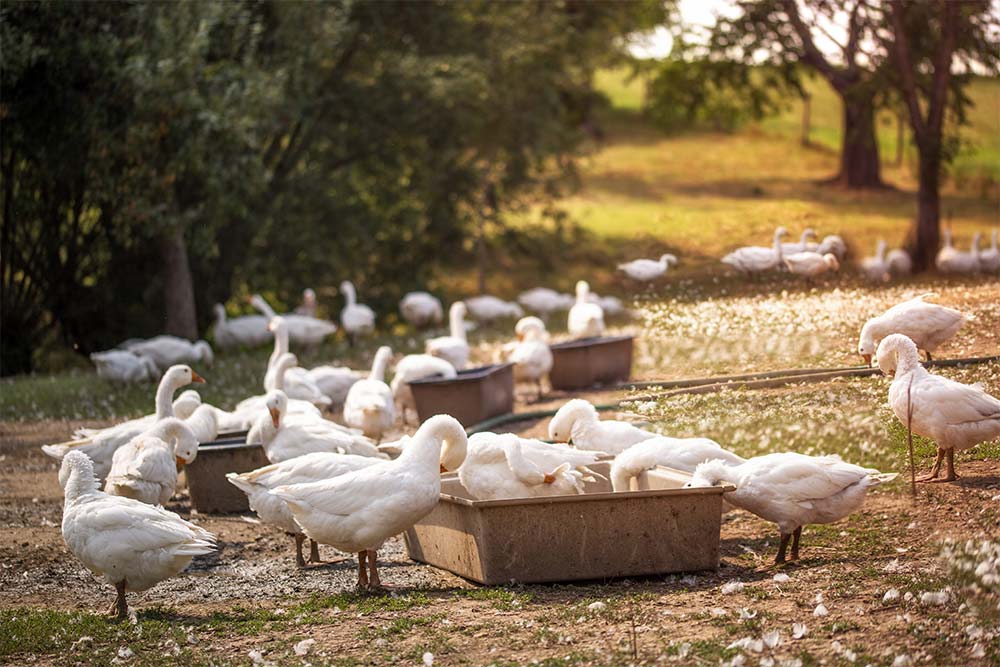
{"x": 692, "y": 619}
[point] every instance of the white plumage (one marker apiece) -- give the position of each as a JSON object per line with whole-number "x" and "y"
{"x": 416, "y": 367}
{"x": 876, "y": 268}
{"x": 755, "y": 259}
{"x": 358, "y": 511}
{"x": 124, "y": 366}
{"x": 811, "y": 264}
{"x": 244, "y": 331}
{"x": 308, "y": 305}
{"x": 487, "y": 308}
{"x": 586, "y": 319}
{"x": 166, "y": 351}
{"x": 951, "y": 260}
{"x": 899, "y": 262}
{"x": 833, "y": 244}
{"x": 577, "y": 422}
{"x": 421, "y": 309}
{"x": 145, "y": 469}
{"x": 369, "y": 405}
{"x": 792, "y": 490}
{"x": 953, "y": 415}
{"x": 648, "y": 270}
{"x": 678, "y": 453}
{"x": 356, "y": 318}
{"x": 454, "y": 348}
{"x": 531, "y": 355}
{"x": 504, "y": 465}
{"x": 302, "y": 329}
{"x": 132, "y": 545}
{"x": 802, "y": 245}
{"x": 545, "y": 301}
{"x": 926, "y": 324}
{"x": 989, "y": 259}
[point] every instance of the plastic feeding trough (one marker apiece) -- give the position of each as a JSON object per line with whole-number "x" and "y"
{"x": 657, "y": 528}
{"x": 578, "y": 364}
{"x": 210, "y": 492}
{"x": 474, "y": 395}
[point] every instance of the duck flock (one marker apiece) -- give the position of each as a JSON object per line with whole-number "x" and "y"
{"x": 338, "y": 483}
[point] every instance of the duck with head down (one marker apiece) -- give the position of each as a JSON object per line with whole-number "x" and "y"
{"x": 928, "y": 325}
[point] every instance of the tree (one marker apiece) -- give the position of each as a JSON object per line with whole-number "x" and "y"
{"x": 933, "y": 50}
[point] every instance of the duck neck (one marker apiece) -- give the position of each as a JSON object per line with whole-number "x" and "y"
{"x": 907, "y": 360}
{"x": 165, "y": 397}
{"x": 81, "y": 483}
{"x": 280, "y": 345}
{"x": 880, "y": 251}
{"x": 349, "y": 294}
{"x": 777, "y": 245}
{"x": 582, "y": 425}
{"x": 455, "y": 322}
{"x": 378, "y": 366}
{"x": 424, "y": 450}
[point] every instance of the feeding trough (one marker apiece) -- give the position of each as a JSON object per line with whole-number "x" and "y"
{"x": 472, "y": 396}
{"x": 658, "y": 527}
{"x": 210, "y": 492}
{"x": 587, "y": 362}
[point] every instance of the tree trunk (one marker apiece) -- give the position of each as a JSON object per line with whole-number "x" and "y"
{"x": 178, "y": 288}
{"x": 900, "y": 138}
{"x": 925, "y": 235}
{"x": 859, "y": 159}
{"x": 806, "y": 104}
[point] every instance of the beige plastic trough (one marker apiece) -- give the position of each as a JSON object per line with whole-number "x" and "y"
{"x": 210, "y": 492}
{"x": 472, "y": 396}
{"x": 658, "y": 528}
{"x": 578, "y": 364}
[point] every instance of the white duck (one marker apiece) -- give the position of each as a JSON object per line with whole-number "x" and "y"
{"x": 369, "y": 405}
{"x": 611, "y": 305}
{"x": 284, "y": 439}
{"x": 416, "y": 367}
{"x": 678, "y": 453}
{"x": 358, "y": 511}
{"x": 248, "y": 409}
{"x": 802, "y": 245}
{"x": 308, "y": 305}
{"x": 926, "y": 324}
{"x": 586, "y": 319}
{"x": 124, "y": 366}
{"x": 577, "y": 422}
{"x": 899, "y": 262}
{"x": 243, "y": 331}
{"x": 755, "y": 259}
{"x": 166, "y": 351}
{"x": 259, "y": 485}
{"x": 454, "y": 348}
{"x": 792, "y": 490}
{"x": 531, "y": 355}
{"x": 504, "y": 465}
{"x": 183, "y": 407}
{"x": 834, "y": 244}
{"x": 953, "y": 415}
{"x": 100, "y": 446}
{"x": 421, "y": 309}
{"x": 132, "y": 545}
{"x": 648, "y": 270}
{"x": 302, "y": 329}
{"x": 545, "y": 301}
{"x": 487, "y": 308}
{"x": 145, "y": 469}
{"x": 356, "y": 318}
{"x": 989, "y": 259}
{"x": 811, "y": 264}
{"x": 951, "y": 260}
{"x": 876, "y": 268}
{"x": 299, "y": 382}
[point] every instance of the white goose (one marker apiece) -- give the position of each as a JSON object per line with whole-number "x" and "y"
{"x": 284, "y": 439}
{"x": 989, "y": 259}
{"x": 308, "y": 305}
{"x": 299, "y": 382}
{"x": 132, "y": 545}
{"x": 183, "y": 407}
{"x": 678, "y": 453}
{"x": 504, "y": 465}
{"x": 421, "y": 309}
{"x": 792, "y": 490}
{"x": 876, "y": 268}
{"x": 454, "y": 348}
{"x": 926, "y": 324}
{"x": 811, "y": 264}
{"x": 166, "y": 351}
{"x": 302, "y": 329}
{"x": 124, "y": 366}
{"x": 356, "y": 318}
{"x": 416, "y": 367}
{"x": 100, "y": 446}
{"x": 531, "y": 356}
{"x": 577, "y": 422}
{"x": 611, "y": 305}
{"x": 951, "y": 260}
{"x": 802, "y": 245}
{"x": 487, "y": 308}
{"x": 648, "y": 270}
{"x": 369, "y": 405}
{"x": 953, "y": 415}
{"x": 244, "y": 331}
{"x": 358, "y": 511}
{"x": 259, "y": 485}
{"x": 545, "y": 301}
{"x": 145, "y": 469}
{"x": 899, "y": 262}
{"x": 249, "y": 409}
{"x": 586, "y": 319}
{"x": 833, "y": 244}
{"x": 755, "y": 259}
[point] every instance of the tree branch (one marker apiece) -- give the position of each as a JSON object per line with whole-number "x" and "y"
{"x": 901, "y": 47}
{"x": 811, "y": 55}
{"x": 942, "y": 67}
{"x": 853, "y": 35}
